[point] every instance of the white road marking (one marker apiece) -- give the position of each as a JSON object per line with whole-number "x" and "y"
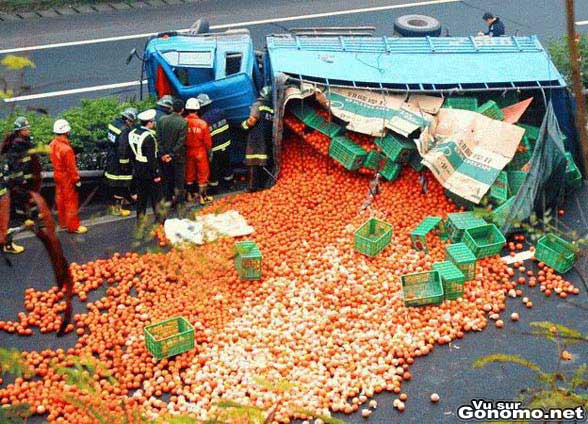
{"x": 582, "y": 23}
{"x": 234, "y": 25}
{"x": 519, "y": 257}
{"x": 73, "y": 91}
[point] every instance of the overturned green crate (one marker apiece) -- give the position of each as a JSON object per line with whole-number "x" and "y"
{"x": 395, "y": 148}
{"x": 531, "y": 133}
{"x": 452, "y": 279}
{"x": 419, "y": 234}
{"x": 466, "y": 103}
{"x": 320, "y": 124}
{"x": 347, "y": 153}
{"x": 463, "y": 258}
{"x": 556, "y": 253}
{"x": 500, "y": 214}
{"x": 520, "y": 159}
{"x": 458, "y": 222}
{"x": 516, "y": 179}
{"x": 422, "y": 288}
{"x": 499, "y": 190}
{"x": 491, "y": 110}
{"x": 485, "y": 240}
{"x": 248, "y": 260}
{"x": 373, "y": 160}
{"x": 573, "y": 175}
{"x": 391, "y": 170}
{"x": 170, "y": 337}
{"x": 303, "y": 113}
{"x": 372, "y": 237}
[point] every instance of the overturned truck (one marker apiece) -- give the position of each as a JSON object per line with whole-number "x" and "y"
{"x": 491, "y": 118}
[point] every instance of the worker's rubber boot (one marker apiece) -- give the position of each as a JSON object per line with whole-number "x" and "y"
{"x": 13, "y": 248}
{"x": 204, "y": 197}
{"x": 81, "y": 230}
{"x": 252, "y": 182}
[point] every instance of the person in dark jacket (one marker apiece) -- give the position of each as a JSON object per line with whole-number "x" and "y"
{"x": 118, "y": 173}
{"x": 260, "y": 126}
{"x": 171, "y": 134}
{"x": 146, "y": 173}
{"x": 220, "y": 164}
{"x": 495, "y": 25}
{"x": 18, "y": 176}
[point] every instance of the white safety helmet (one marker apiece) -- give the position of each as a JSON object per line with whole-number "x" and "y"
{"x": 192, "y": 104}
{"x": 61, "y": 126}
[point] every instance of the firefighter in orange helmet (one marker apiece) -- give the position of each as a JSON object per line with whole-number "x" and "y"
{"x": 198, "y": 147}
{"x": 67, "y": 180}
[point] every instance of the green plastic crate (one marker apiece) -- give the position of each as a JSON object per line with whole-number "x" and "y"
{"x": 500, "y": 214}
{"x": 395, "y": 148}
{"x": 463, "y": 258}
{"x": 248, "y": 260}
{"x": 556, "y": 253}
{"x": 320, "y": 124}
{"x": 491, "y": 110}
{"x": 372, "y": 237}
{"x": 458, "y": 222}
{"x": 485, "y": 240}
{"x": 499, "y": 190}
{"x": 466, "y": 103}
{"x": 373, "y": 160}
{"x": 452, "y": 279}
{"x": 516, "y": 179}
{"x": 531, "y": 132}
{"x": 391, "y": 170}
{"x": 169, "y": 338}
{"x": 303, "y": 113}
{"x": 520, "y": 159}
{"x": 422, "y": 288}
{"x": 573, "y": 174}
{"x": 347, "y": 153}
{"x": 419, "y": 234}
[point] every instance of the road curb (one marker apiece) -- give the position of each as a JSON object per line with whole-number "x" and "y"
{"x": 116, "y": 6}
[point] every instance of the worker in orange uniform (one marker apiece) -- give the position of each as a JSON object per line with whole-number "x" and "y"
{"x": 198, "y": 147}
{"x": 67, "y": 180}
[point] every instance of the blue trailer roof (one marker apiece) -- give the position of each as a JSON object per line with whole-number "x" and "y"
{"x": 426, "y": 64}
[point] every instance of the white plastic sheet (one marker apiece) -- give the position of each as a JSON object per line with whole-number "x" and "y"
{"x": 206, "y": 228}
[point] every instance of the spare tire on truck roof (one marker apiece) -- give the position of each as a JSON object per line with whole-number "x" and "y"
{"x": 417, "y": 26}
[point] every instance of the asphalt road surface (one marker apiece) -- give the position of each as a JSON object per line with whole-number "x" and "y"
{"x": 447, "y": 370}
{"x": 99, "y": 69}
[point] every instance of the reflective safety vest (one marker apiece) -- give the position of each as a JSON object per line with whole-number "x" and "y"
{"x": 219, "y": 129}
{"x": 261, "y": 135}
{"x": 136, "y": 142}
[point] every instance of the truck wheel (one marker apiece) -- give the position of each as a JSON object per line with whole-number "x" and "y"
{"x": 417, "y": 26}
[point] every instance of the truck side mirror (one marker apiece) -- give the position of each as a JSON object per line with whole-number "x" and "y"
{"x": 131, "y": 55}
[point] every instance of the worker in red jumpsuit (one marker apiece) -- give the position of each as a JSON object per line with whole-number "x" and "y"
{"x": 198, "y": 147}
{"x": 67, "y": 180}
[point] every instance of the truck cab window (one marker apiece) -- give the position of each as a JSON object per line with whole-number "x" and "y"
{"x": 233, "y": 63}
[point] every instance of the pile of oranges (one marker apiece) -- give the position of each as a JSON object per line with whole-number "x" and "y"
{"x": 323, "y": 317}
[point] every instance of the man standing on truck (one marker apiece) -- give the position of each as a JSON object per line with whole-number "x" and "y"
{"x": 171, "y": 134}
{"x": 146, "y": 173}
{"x": 220, "y": 164}
{"x": 495, "y": 25}
{"x": 260, "y": 126}
{"x": 198, "y": 147}
{"x": 118, "y": 172}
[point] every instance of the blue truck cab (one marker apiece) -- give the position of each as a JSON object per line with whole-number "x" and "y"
{"x": 222, "y": 65}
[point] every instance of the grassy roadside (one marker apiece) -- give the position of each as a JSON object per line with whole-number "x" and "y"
{"x": 33, "y": 5}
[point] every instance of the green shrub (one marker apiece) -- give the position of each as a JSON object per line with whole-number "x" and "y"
{"x": 561, "y": 57}
{"x": 89, "y": 123}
